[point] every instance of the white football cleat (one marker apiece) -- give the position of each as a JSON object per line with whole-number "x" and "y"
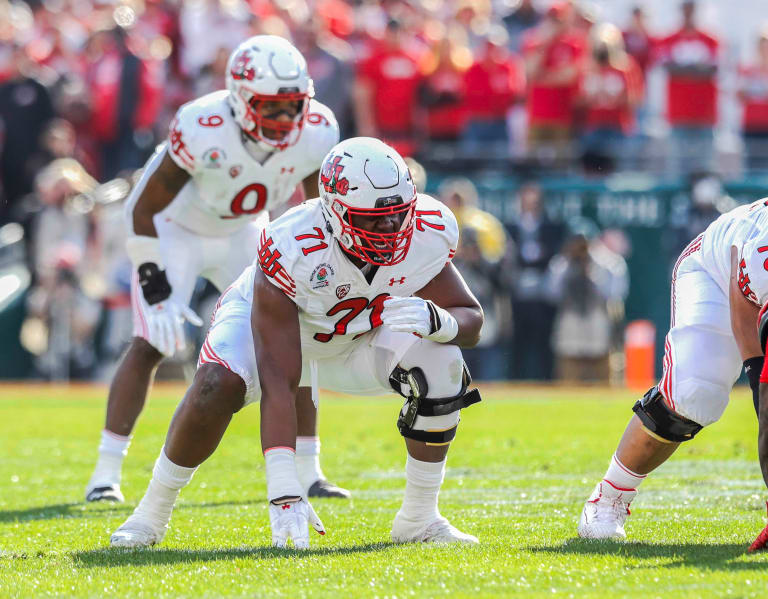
{"x": 136, "y": 532}
{"x": 605, "y": 512}
{"x": 436, "y": 531}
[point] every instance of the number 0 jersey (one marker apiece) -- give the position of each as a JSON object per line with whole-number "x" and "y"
{"x": 746, "y": 229}
{"x": 228, "y": 185}
{"x": 336, "y": 303}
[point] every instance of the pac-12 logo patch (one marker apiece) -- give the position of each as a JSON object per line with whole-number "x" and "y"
{"x": 320, "y": 277}
{"x": 342, "y": 290}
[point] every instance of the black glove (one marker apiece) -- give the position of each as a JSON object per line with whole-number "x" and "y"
{"x": 753, "y": 367}
{"x": 154, "y": 283}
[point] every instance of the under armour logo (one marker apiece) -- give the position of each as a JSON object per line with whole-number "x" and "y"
{"x": 286, "y": 506}
{"x": 399, "y": 281}
{"x": 285, "y": 170}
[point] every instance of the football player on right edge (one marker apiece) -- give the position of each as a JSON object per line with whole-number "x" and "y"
{"x": 358, "y": 287}
{"x": 761, "y": 542}
{"x": 718, "y": 285}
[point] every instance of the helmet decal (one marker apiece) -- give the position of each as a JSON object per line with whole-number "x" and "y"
{"x": 330, "y": 176}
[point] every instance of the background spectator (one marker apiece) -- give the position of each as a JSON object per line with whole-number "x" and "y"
{"x": 638, "y": 41}
{"x": 25, "y": 110}
{"x": 62, "y": 255}
{"x": 523, "y": 17}
{"x": 611, "y": 89}
{"x": 583, "y": 280}
{"x": 493, "y": 83}
{"x": 386, "y": 91}
{"x": 554, "y": 54}
{"x": 125, "y": 101}
{"x": 443, "y": 89}
{"x": 753, "y": 93}
{"x": 691, "y": 59}
{"x": 537, "y": 240}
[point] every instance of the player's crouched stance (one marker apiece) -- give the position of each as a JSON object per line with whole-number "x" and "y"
{"x": 356, "y": 289}
{"x": 718, "y": 284}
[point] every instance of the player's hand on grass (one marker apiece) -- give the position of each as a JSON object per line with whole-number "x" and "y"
{"x": 761, "y": 542}
{"x": 419, "y": 316}
{"x": 290, "y": 519}
{"x": 166, "y": 325}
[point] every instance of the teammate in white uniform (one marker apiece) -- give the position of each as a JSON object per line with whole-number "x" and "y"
{"x": 718, "y": 285}
{"x": 356, "y": 288}
{"x": 231, "y": 156}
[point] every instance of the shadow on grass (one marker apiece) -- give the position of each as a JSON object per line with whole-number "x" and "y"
{"x": 707, "y": 556}
{"x": 110, "y": 558}
{"x": 61, "y": 510}
{"x": 98, "y": 510}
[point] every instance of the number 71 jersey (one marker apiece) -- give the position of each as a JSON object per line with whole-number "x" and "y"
{"x": 336, "y": 303}
{"x": 229, "y": 187}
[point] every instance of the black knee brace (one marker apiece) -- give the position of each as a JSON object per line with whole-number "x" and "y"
{"x": 418, "y": 404}
{"x": 658, "y": 418}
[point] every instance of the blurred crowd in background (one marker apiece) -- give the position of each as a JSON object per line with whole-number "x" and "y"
{"x": 88, "y": 87}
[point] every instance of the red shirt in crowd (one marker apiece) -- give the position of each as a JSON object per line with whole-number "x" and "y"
{"x": 610, "y": 94}
{"x": 105, "y": 89}
{"x": 753, "y": 91}
{"x": 492, "y": 85}
{"x": 394, "y": 76}
{"x": 552, "y": 104}
{"x": 691, "y": 99}
{"x": 445, "y": 120}
{"x": 640, "y": 46}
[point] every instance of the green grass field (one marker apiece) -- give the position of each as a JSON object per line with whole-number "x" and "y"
{"x": 523, "y": 462}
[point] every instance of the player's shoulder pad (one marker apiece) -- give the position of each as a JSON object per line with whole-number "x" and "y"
{"x": 435, "y": 224}
{"x": 279, "y": 254}
{"x": 321, "y": 131}
{"x": 753, "y": 269}
{"x": 199, "y": 128}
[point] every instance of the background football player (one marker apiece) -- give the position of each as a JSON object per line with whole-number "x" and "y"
{"x": 358, "y": 288}
{"x": 718, "y": 284}
{"x": 230, "y": 157}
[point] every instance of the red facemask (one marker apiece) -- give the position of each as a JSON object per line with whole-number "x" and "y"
{"x": 283, "y": 129}
{"x": 380, "y": 249}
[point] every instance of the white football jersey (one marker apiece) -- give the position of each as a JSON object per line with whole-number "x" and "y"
{"x": 746, "y": 229}
{"x": 336, "y": 303}
{"x": 228, "y": 185}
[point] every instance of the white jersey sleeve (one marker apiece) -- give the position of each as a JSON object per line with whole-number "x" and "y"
{"x": 753, "y": 269}
{"x": 321, "y": 133}
{"x": 437, "y": 231}
{"x": 194, "y": 131}
{"x": 278, "y": 255}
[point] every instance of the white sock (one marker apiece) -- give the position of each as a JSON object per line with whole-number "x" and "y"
{"x": 622, "y": 478}
{"x": 167, "y": 480}
{"x": 308, "y": 461}
{"x": 422, "y": 485}
{"x": 112, "y": 451}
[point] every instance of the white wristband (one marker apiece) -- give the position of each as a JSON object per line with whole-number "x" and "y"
{"x": 448, "y": 328}
{"x": 282, "y": 476}
{"x": 142, "y": 249}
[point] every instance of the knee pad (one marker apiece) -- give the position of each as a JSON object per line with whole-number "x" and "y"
{"x": 431, "y": 420}
{"x": 659, "y": 419}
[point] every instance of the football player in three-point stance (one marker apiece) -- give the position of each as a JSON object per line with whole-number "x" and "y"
{"x": 356, "y": 288}
{"x": 231, "y": 156}
{"x": 718, "y": 285}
